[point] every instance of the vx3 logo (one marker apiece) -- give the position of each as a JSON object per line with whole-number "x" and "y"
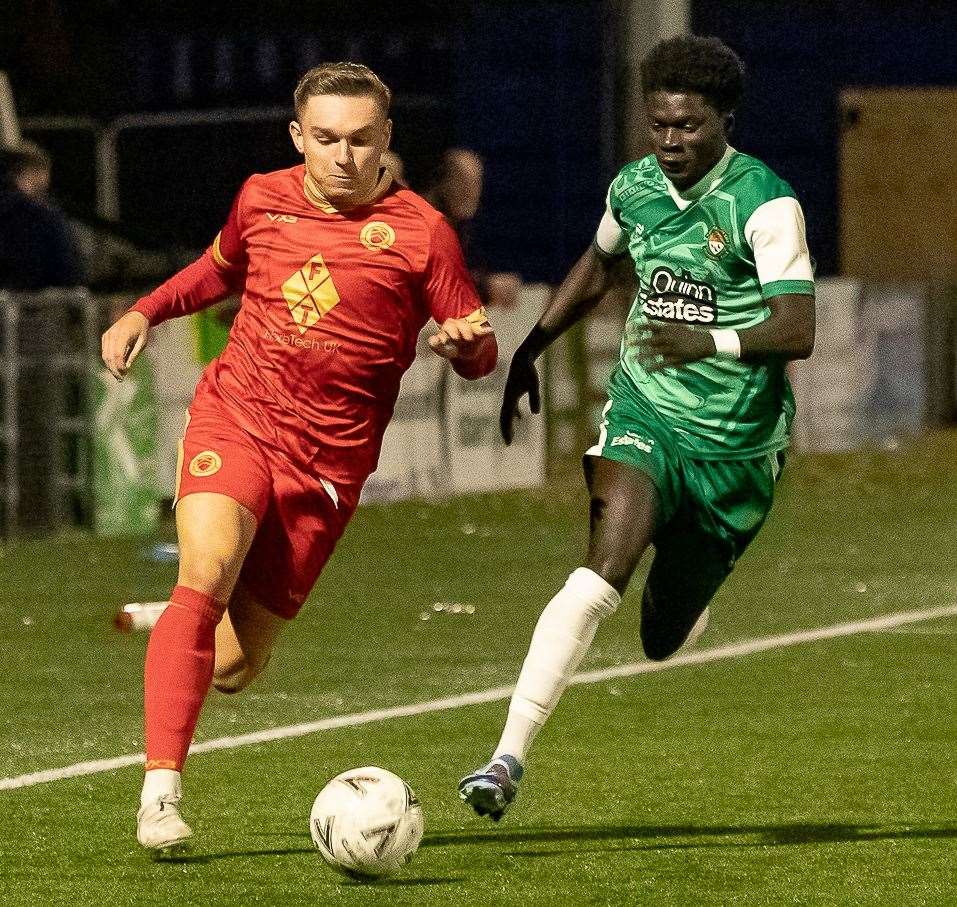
{"x": 281, "y": 218}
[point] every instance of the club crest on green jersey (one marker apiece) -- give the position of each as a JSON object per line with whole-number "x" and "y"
{"x": 717, "y": 242}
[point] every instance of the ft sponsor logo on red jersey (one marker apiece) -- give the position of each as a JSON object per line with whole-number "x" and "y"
{"x": 310, "y": 293}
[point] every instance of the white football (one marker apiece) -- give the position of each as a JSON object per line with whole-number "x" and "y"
{"x": 366, "y": 823}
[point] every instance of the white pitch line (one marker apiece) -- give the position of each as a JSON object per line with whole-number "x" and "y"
{"x": 496, "y": 694}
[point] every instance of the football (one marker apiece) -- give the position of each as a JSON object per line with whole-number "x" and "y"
{"x": 366, "y": 823}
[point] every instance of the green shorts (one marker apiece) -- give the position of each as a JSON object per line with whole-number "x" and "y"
{"x": 727, "y": 500}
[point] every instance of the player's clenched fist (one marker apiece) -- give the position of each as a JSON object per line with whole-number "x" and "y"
{"x": 122, "y": 343}
{"x": 460, "y": 337}
{"x": 662, "y": 345}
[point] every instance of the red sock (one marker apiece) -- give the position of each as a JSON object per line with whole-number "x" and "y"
{"x": 178, "y": 674}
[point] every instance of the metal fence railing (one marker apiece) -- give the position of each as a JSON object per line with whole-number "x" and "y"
{"x": 48, "y": 341}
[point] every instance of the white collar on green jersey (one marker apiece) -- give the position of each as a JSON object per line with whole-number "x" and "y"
{"x": 704, "y": 185}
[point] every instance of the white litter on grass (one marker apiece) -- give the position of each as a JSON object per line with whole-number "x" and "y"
{"x": 452, "y": 608}
{"x": 884, "y": 622}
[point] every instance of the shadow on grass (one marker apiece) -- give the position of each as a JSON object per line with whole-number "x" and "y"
{"x": 401, "y": 882}
{"x": 667, "y": 837}
{"x": 203, "y": 859}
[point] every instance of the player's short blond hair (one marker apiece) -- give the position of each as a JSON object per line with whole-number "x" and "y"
{"x": 349, "y": 79}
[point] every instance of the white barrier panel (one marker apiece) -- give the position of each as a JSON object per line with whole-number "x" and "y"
{"x": 444, "y": 437}
{"x": 479, "y": 459}
{"x": 866, "y": 381}
{"x": 172, "y": 354}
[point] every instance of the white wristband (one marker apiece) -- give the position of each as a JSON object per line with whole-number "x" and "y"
{"x": 727, "y": 343}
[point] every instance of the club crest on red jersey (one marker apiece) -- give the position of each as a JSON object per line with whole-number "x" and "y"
{"x": 205, "y": 463}
{"x": 377, "y": 236}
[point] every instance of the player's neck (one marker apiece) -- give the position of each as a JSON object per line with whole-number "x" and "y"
{"x": 314, "y": 193}
{"x": 707, "y": 182}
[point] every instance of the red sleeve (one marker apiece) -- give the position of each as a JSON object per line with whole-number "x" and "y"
{"x": 450, "y": 293}
{"x": 449, "y": 289}
{"x": 217, "y": 273}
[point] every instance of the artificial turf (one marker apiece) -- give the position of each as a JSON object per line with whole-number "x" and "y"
{"x": 822, "y": 773}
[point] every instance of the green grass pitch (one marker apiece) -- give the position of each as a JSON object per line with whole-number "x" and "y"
{"x": 822, "y": 773}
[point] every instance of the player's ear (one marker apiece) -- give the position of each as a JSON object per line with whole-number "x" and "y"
{"x": 295, "y": 130}
{"x": 728, "y": 122}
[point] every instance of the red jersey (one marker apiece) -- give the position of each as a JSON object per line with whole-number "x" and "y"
{"x": 332, "y": 305}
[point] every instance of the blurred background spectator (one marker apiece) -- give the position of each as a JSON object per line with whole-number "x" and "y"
{"x": 37, "y": 245}
{"x": 41, "y": 245}
{"x": 455, "y": 188}
{"x": 395, "y": 165}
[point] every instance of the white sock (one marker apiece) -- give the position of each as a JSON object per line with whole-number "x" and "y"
{"x": 161, "y": 782}
{"x": 562, "y": 636}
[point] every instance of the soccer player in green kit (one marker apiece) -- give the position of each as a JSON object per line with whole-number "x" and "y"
{"x": 699, "y": 410}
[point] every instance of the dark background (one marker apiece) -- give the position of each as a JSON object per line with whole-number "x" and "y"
{"x": 531, "y": 86}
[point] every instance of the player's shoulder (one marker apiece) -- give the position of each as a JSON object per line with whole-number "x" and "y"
{"x": 276, "y": 188}
{"x": 283, "y": 180}
{"x": 755, "y": 181}
{"x": 413, "y": 206}
{"x": 637, "y": 178}
{"x": 642, "y": 172}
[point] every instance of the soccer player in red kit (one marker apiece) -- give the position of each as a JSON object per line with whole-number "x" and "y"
{"x": 339, "y": 270}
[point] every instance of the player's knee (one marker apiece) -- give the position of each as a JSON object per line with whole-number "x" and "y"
{"x": 234, "y": 670}
{"x": 658, "y": 646}
{"x": 612, "y": 570}
{"x": 235, "y": 675}
{"x": 660, "y": 638}
{"x": 214, "y": 575}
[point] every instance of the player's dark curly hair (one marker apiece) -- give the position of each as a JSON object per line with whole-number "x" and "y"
{"x": 695, "y": 63}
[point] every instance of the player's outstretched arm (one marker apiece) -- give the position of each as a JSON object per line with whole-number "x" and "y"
{"x": 122, "y": 343}
{"x": 197, "y": 286}
{"x": 587, "y": 281}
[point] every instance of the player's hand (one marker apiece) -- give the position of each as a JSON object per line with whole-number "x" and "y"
{"x": 459, "y": 337}
{"x": 664, "y": 345}
{"x": 522, "y": 379}
{"x": 122, "y": 343}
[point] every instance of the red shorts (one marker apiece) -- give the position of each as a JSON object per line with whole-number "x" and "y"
{"x": 300, "y": 515}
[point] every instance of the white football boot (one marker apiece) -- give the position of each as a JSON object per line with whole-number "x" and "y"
{"x": 160, "y": 827}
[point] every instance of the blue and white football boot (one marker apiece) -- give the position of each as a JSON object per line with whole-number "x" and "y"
{"x": 489, "y": 790}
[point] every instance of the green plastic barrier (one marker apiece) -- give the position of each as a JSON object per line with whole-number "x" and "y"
{"x": 126, "y": 500}
{"x": 211, "y": 330}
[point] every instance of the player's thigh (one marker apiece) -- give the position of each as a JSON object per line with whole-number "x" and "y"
{"x": 634, "y": 478}
{"x": 223, "y": 488}
{"x": 215, "y": 533}
{"x": 245, "y": 638}
{"x": 296, "y": 537}
{"x": 623, "y": 511}
{"x": 724, "y": 506}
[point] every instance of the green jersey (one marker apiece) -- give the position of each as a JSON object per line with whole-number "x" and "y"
{"x": 710, "y": 257}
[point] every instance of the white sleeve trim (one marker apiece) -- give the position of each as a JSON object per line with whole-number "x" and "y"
{"x": 776, "y": 234}
{"x": 610, "y": 238}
